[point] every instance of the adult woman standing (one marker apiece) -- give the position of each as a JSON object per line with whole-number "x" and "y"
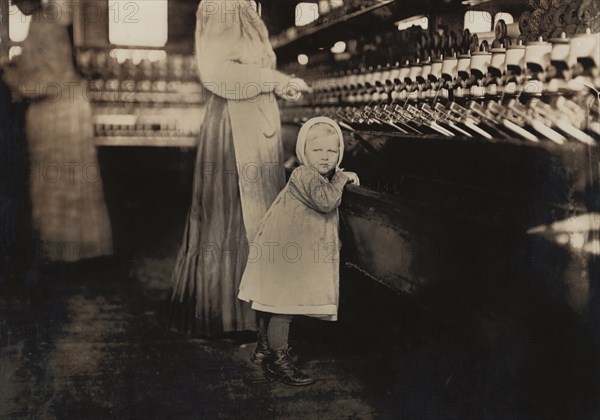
{"x": 66, "y": 190}
{"x": 239, "y": 169}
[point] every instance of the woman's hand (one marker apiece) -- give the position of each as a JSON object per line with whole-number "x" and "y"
{"x": 293, "y": 89}
{"x": 352, "y": 177}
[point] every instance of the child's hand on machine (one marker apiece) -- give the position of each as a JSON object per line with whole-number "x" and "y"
{"x": 352, "y": 177}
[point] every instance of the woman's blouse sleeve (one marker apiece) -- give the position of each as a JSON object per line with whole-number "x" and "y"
{"x": 315, "y": 191}
{"x": 218, "y": 43}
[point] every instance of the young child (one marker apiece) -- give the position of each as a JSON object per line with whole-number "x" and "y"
{"x": 293, "y": 262}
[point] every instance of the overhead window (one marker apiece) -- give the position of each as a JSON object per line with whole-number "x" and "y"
{"x": 306, "y": 13}
{"x": 476, "y": 21}
{"x": 18, "y": 24}
{"x": 141, "y": 23}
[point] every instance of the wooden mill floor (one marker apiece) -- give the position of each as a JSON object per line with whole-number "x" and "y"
{"x": 90, "y": 342}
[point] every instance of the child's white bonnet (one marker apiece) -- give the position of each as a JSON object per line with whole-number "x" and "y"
{"x": 303, "y": 133}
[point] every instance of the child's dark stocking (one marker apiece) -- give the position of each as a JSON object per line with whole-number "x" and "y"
{"x": 262, "y": 321}
{"x": 279, "y": 329}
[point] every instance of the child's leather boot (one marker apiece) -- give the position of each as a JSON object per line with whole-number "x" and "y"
{"x": 262, "y": 352}
{"x": 281, "y": 368}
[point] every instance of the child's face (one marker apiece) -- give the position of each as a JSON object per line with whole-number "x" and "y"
{"x": 322, "y": 153}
